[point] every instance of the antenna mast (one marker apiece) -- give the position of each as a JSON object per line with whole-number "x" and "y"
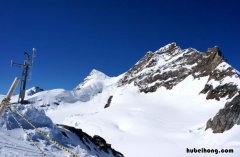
{"x": 28, "y": 62}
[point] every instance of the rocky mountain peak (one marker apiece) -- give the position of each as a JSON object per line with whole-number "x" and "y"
{"x": 215, "y": 50}
{"x": 170, "y": 65}
{"x": 168, "y": 48}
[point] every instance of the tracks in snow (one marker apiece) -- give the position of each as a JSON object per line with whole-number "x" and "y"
{"x": 10, "y": 146}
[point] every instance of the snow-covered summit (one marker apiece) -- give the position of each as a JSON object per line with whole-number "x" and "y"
{"x": 168, "y": 47}
{"x": 34, "y": 90}
{"x": 92, "y": 77}
{"x": 92, "y": 85}
{"x": 170, "y": 65}
{"x": 97, "y": 74}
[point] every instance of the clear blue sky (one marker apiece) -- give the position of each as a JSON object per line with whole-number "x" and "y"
{"x": 73, "y": 37}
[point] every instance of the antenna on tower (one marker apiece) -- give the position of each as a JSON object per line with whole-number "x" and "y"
{"x": 27, "y": 64}
{"x": 33, "y": 55}
{"x": 32, "y": 61}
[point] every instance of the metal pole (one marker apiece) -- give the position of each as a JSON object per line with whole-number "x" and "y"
{"x": 6, "y": 100}
{"x": 24, "y": 78}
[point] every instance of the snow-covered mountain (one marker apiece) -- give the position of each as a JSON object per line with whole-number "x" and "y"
{"x": 93, "y": 84}
{"x": 159, "y": 107}
{"x": 34, "y": 90}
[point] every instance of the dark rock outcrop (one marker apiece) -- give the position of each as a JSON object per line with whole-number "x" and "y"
{"x": 219, "y": 75}
{"x": 100, "y": 143}
{"x": 227, "y": 117}
{"x": 34, "y": 90}
{"x": 227, "y": 90}
{"x": 108, "y": 102}
{"x": 137, "y": 68}
{"x": 207, "y": 62}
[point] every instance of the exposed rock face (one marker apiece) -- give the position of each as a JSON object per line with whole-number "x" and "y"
{"x": 218, "y": 75}
{"x": 101, "y": 144}
{"x": 227, "y": 117}
{"x": 220, "y": 91}
{"x": 162, "y": 68}
{"x": 170, "y": 65}
{"x": 108, "y": 102}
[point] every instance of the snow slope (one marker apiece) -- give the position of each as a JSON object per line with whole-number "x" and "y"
{"x": 161, "y": 123}
{"x": 139, "y": 124}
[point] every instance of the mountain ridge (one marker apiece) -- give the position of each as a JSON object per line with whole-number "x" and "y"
{"x": 167, "y": 97}
{"x": 167, "y": 67}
